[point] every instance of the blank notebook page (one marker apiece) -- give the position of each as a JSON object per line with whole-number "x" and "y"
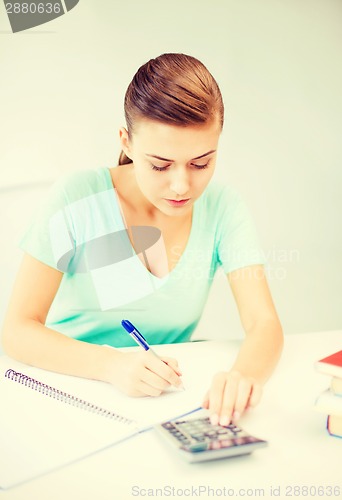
{"x": 39, "y": 433}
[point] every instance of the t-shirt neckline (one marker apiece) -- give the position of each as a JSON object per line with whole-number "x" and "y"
{"x": 189, "y": 243}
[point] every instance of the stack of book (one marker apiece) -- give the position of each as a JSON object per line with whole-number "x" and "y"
{"x": 330, "y": 401}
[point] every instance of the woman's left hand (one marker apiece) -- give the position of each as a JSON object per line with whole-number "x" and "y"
{"x": 230, "y": 395}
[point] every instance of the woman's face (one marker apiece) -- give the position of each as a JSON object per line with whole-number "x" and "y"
{"x": 172, "y": 164}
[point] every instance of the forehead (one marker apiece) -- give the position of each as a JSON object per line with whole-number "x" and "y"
{"x": 170, "y": 141}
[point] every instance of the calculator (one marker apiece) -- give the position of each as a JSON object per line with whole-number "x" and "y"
{"x": 197, "y": 440}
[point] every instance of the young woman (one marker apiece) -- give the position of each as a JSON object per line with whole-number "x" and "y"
{"x": 143, "y": 241}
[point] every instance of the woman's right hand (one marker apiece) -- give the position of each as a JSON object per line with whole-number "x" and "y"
{"x": 143, "y": 373}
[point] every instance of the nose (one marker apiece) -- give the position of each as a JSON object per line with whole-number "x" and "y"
{"x": 180, "y": 181}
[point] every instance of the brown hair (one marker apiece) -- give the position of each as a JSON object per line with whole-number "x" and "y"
{"x": 175, "y": 89}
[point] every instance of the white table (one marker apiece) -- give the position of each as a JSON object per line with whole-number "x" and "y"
{"x": 300, "y": 453}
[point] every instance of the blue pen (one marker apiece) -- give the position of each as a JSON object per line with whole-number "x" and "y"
{"x": 139, "y": 338}
{"x": 135, "y": 334}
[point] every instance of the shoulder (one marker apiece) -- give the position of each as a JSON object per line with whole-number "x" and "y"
{"x": 81, "y": 184}
{"x": 218, "y": 198}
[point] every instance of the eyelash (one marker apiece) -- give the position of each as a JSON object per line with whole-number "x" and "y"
{"x": 163, "y": 169}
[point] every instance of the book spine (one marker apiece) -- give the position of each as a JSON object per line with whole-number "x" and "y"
{"x": 330, "y": 430}
{"x": 336, "y": 386}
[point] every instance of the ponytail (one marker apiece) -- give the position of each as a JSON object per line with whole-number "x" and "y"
{"x": 123, "y": 159}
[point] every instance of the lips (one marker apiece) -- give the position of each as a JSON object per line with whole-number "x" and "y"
{"x": 177, "y": 203}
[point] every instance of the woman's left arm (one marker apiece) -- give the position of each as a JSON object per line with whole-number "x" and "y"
{"x": 233, "y": 391}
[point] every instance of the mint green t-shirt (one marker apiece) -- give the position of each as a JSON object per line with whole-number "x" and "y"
{"x": 80, "y": 231}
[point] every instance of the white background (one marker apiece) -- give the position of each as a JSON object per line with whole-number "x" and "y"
{"x": 278, "y": 65}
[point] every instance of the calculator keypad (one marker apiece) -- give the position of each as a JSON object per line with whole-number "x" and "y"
{"x": 200, "y": 435}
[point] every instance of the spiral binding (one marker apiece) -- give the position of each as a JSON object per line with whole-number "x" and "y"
{"x": 64, "y": 397}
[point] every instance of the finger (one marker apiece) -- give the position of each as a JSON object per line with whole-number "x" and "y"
{"x": 148, "y": 390}
{"x": 205, "y": 402}
{"x": 173, "y": 363}
{"x": 216, "y": 392}
{"x": 243, "y": 395}
{"x": 154, "y": 380}
{"x": 255, "y": 395}
{"x": 157, "y": 366}
{"x": 229, "y": 398}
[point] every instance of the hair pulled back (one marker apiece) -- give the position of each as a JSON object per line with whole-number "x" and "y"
{"x": 175, "y": 89}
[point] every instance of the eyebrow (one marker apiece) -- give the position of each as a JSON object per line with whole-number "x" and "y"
{"x": 197, "y": 157}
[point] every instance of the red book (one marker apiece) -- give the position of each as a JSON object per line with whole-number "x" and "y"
{"x": 331, "y": 365}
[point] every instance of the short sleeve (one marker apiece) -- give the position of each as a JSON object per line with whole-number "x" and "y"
{"x": 48, "y": 237}
{"x": 237, "y": 242}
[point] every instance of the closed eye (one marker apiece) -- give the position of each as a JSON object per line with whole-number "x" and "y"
{"x": 200, "y": 166}
{"x": 159, "y": 169}
{"x": 196, "y": 165}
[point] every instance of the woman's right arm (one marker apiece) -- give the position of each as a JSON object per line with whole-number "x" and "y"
{"x": 26, "y": 338}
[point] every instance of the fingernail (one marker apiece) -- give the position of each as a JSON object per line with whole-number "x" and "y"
{"x": 224, "y": 420}
{"x": 236, "y": 416}
{"x": 214, "y": 419}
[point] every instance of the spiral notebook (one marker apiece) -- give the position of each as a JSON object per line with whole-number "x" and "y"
{"x": 49, "y": 420}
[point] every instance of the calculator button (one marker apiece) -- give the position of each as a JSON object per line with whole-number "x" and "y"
{"x": 186, "y": 426}
{"x": 236, "y": 429}
{"x": 211, "y": 434}
{"x": 184, "y": 439}
{"x": 241, "y": 440}
{"x": 198, "y": 446}
{"x": 197, "y": 434}
{"x": 226, "y": 443}
{"x": 168, "y": 425}
{"x": 215, "y": 445}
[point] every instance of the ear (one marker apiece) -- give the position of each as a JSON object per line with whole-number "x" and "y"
{"x": 124, "y": 140}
